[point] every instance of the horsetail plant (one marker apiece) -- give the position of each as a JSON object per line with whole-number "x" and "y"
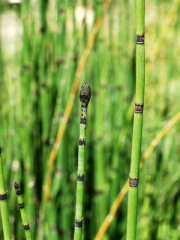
{"x": 138, "y": 120}
{"x": 23, "y": 212}
{"x": 85, "y": 95}
{"x": 4, "y": 205}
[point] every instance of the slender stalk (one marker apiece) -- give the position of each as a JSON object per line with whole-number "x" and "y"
{"x": 23, "y": 212}
{"x": 3, "y": 204}
{"x": 85, "y": 95}
{"x": 138, "y": 120}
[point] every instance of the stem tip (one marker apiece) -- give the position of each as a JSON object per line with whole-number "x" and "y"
{"x": 85, "y": 93}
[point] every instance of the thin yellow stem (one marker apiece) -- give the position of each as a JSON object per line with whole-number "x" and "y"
{"x": 125, "y": 188}
{"x": 70, "y": 103}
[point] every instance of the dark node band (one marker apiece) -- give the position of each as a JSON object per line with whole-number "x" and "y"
{"x": 82, "y": 142}
{"x": 148, "y": 195}
{"x": 43, "y": 85}
{"x": 0, "y": 149}
{"x": 85, "y": 98}
{"x": 59, "y": 61}
{"x": 26, "y": 227}
{"x": 80, "y": 178}
{"x": 74, "y": 58}
{"x": 140, "y": 39}
{"x": 43, "y": 29}
{"x": 138, "y": 108}
{"x": 26, "y": 170}
{"x": 18, "y": 192}
{"x": 99, "y": 192}
{"x": 21, "y": 205}
{"x": 3, "y": 196}
{"x": 16, "y": 186}
{"x": 83, "y": 121}
{"x": 133, "y": 182}
{"x": 78, "y": 224}
{"x": 61, "y": 10}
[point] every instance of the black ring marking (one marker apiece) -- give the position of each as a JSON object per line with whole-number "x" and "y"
{"x": 84, "y": 98}
{"x": 83, "y": 121}
{"x": 61, "y": 10}
{"x": 16, "y": 186}
{"x": 18, "y": 192}
{"x": 80, "y": 178}
{"x": 3, "y": 196}
{"x": 78, "y": 224}
{"x": 139, "y": 108}
{"x": 43, "y": 29}
{"x": 26, "y": 227}
{"x": 21, "y": 205}
{"x": 133, "y": 182}
{"x": 140, "y": 39}
{"x": 82, "y": 142}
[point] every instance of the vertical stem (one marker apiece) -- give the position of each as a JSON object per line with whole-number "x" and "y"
{"x": 4, "y": 206}
{"x": 85, "y": 94}
{"x": 23, "y": 212}
{"x": 138, "y": 120}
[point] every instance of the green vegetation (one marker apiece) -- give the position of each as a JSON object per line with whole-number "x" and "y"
{"x": 23, "y": 212}
{"x": 85, "y": 94}
{"x": 138, "y": 121}
{"x": 4, "y": 205}
{"x": 48, "y": 49}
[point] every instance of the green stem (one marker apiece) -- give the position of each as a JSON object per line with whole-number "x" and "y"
{"x": 138, "y": 121}
{"x": 85, "y": 94}
{"x": 23, "y": 212}
{"x": 4, "y": 206}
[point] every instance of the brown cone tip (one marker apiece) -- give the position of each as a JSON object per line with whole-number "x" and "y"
{"x": 16, "y": 186}
{"x": 85, "y": 93}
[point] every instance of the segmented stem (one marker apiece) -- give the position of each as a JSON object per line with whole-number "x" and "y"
{"x": 85, "y": 94}
{"x": 23, "y": 212}
{"x": 138, "y": 121}
{"x": 4, "y": 205}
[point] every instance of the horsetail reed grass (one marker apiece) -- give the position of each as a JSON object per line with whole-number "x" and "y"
{"x": 138, "y": 120}
{"x": 85, "y": 95}
{"x": 23, "y": 212}
{"x": 124, "y": 189}
{"x": 42, "y": 71}
{"x": 162, "y": 36}
{"x": 62, "y": 127}
{"x": 4, "y": 205}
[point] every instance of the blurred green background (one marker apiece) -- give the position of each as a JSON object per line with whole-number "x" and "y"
{"x": 41, "y": 43}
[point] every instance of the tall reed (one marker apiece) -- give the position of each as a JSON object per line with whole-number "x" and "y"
{"x": 4, "y": 205}
{"x": 23, "y": 212}
{"x": 85, "y": 95}
{"x": 138, "y": 121}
